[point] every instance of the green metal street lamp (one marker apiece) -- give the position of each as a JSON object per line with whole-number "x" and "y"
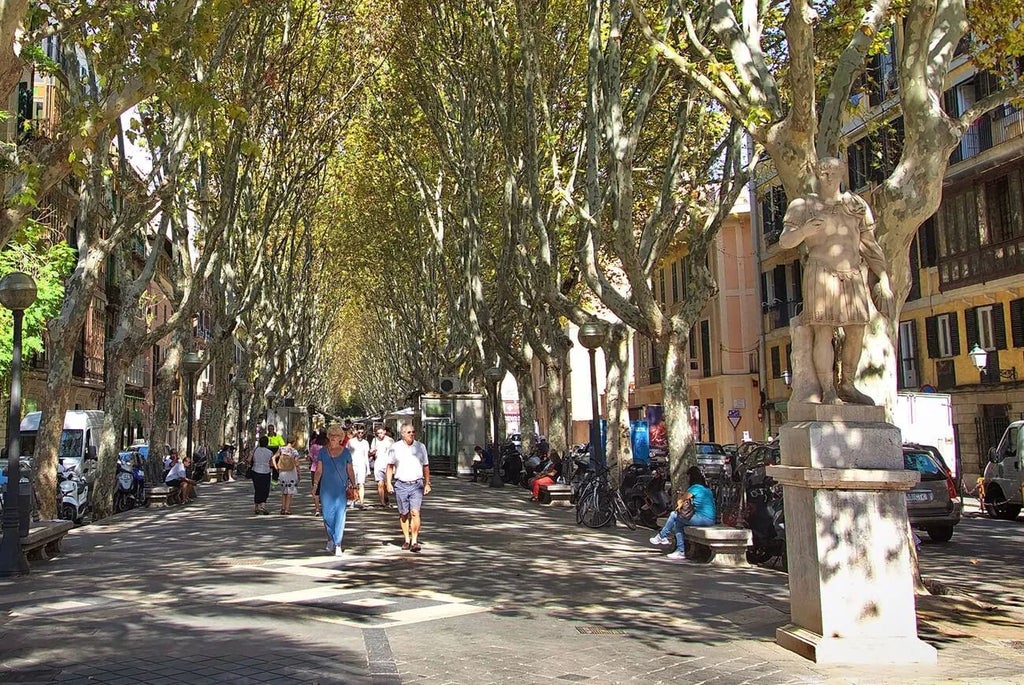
{"x": 17, "y": 293}
{"x": 592, "y": 335}
{"x": 191, "y": 363}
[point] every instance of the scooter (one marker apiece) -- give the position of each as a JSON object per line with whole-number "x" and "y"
{"x": 131, "y": 486}
{"x": 765, "y": 514}
{"x": 73, "y": 493}
{"x": 646, "y": 491}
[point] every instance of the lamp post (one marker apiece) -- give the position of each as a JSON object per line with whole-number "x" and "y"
{"x": 592, "y": 335}
{"x": 191, "y": 363}
{"x": 494, "y": 376}
{"x": 17, "y": 293}
{"x": 980, "y": 358}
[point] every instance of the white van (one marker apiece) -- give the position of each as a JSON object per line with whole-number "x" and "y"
{"x": 80, "y": 439}
{"x": 1004, "y": 476}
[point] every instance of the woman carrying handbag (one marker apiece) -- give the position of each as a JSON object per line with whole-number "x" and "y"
{"x": 335, "y": 480}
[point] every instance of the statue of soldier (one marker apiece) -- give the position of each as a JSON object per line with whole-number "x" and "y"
{"x": 838, "y": 232}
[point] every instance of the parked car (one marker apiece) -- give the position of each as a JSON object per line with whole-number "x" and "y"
{"x": 933, "y": 505}
{"x": 712, "y": 459}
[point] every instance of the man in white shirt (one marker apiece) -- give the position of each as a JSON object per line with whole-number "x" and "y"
{"x": 379, "y": 448}
{"x": 408, "y": 477}
{"x": 359, "y": 448}
{"x": 178, "y": 477}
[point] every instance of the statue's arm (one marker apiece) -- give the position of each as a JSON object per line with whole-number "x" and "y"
{"x": 797, "y": 225}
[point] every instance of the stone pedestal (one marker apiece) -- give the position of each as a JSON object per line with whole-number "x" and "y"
{"x": 850, "y": 576}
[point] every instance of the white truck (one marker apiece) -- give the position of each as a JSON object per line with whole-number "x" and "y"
{"x": 1003, "y": 476}
{"x": 926, "y": 418}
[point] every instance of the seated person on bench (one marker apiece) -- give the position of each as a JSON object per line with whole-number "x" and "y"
{"x": 550, "y": 470}
{"x": 482, "y": 460}
{"x": 695, "y": 507}
{"x": 178, "y": 477}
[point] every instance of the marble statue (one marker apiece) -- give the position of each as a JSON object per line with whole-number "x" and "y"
{"x": 837, "y": 230}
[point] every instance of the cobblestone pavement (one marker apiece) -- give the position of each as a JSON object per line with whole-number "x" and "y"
{"x": 504, "y": 591}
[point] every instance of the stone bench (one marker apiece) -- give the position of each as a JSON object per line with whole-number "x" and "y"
{"x": 44, "y": 539}
{"x": 719, "y": 545}
{"x": 482, "y": 475}
{"x": 159, "y": 496}
{"x": 556, "y": 495}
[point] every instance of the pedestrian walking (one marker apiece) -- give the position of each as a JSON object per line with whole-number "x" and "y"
{"x": 286, "y": 461}
{"x": 274, "y": 443}
{"x": 359, "y": 448}
{"x": 260, "y": 470}
{"x": 379, "y": 448}
{"x": 408, "y": 478}
{"x": 334, "y": 478}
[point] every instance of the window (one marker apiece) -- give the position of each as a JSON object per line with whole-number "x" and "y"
{"x": 675, "y": 281}
{"x": 997, "y": 205}
{"x": 942, "y": 336}
{"x": 773, "y": 210}
{"x": 705, "y": 347}
{"x": 776, "y": 363}
{"x": 986, "y": 326}
{"x": 959, "y": 223}
{"x": 907, "y": 376}
{"x": 692, "y": 348}
{"x": 1017, "y": 322}
{"x": 661, "y": 284}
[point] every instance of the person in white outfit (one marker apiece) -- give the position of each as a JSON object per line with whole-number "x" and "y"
{"x": 379, "y": 447}
{"x": 359, "y": 448}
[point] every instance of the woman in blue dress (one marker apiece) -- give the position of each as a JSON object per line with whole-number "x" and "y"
{"x": 334, "y": 478}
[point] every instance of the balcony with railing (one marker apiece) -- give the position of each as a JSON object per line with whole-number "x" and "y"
{"x": 991, "y": 129}
{"x": 778, "y": 314}
{"x": 985, "y": 263}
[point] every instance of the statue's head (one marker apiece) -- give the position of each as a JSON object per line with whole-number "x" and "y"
{"x": 831, "y": 171}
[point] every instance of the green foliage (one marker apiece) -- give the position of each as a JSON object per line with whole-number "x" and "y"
{"x": 32, "y": 251}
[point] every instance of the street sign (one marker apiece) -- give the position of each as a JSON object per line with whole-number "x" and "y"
{"x": 734, "y": 417}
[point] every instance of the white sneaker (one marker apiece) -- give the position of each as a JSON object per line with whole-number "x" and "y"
{"x": 329, "y": 548}
{"x": 678, "y": 555}
{"x": 338, "y": 551}
{"x": 658, "y": 540}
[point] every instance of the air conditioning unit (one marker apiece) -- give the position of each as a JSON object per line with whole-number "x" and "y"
{"x": 449, "y": 384}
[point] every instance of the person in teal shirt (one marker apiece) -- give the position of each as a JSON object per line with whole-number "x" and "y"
{"x": 695, "y": 507}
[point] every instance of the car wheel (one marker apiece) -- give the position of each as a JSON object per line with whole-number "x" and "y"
{"x": 940, "y": 533}
{"x": 997, "y": 507}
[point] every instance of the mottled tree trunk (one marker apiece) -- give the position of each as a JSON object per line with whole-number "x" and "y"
{"x": 676, "y": 403}
{"x": 616, "y": 355}
{"x": 102, "y": 495}
{"x": 163, "y": 392}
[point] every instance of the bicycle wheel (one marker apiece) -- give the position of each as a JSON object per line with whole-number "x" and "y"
{"x": 596, "y": 510}
{"x": 584, "y": 494}
{"x": 622, "y": 512}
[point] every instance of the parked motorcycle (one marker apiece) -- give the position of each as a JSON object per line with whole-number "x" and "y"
{"x": 646, "y": 490}
{"x": 131, "y": 483}
{"x": 511, "y": 464}
{"x": 72, "y": 492}
{"x": 200, "y": 463}
{"x": 763, "y": 512}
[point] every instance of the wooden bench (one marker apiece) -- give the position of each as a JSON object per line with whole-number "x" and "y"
{"x": 719, "y": 545}
{"x": 556, "y": 495}
{"x": 44, "y": 539}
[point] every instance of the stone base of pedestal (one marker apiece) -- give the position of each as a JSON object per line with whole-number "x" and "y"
{"x": 890, "y": 650}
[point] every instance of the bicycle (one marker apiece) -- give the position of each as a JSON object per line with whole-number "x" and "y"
{"x": 599, "y": 504}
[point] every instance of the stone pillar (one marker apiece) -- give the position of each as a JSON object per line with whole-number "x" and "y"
{"x": 847, "y": 536}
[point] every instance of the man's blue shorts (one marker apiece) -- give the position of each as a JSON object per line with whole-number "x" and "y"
{"x": 409, "y": 495}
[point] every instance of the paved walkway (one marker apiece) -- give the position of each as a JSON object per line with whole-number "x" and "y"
{"x": 504, "y": 591}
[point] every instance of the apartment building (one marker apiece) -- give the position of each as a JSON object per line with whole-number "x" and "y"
{"x": 967, "y": 261}
{"x": 724, "y": 388}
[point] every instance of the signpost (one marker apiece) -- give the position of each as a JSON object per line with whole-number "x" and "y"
{"x": 734, "y": 417}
